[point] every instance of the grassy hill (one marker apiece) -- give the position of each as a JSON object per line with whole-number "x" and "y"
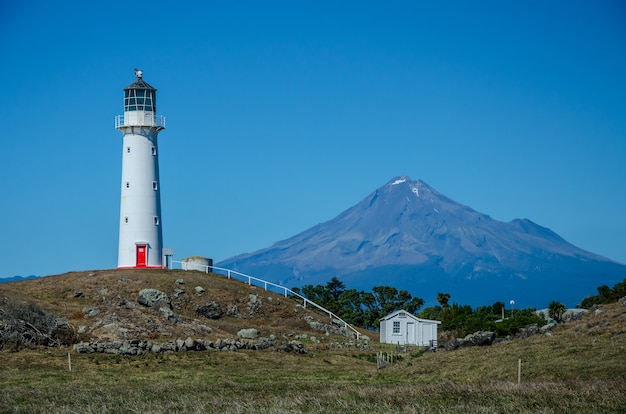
{"x": 578, "y": 368}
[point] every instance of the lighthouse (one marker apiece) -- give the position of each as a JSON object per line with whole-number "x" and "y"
{"x": 141, "y": 235}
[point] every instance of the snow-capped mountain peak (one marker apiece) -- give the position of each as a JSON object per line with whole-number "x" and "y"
{"x": 408, "y": 235}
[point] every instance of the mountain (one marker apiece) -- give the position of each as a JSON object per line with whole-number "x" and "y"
{"x": 16, "y": 278}
{"x": 408, "y": 235}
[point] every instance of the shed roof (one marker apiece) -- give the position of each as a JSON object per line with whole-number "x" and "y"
{"x": 408, "y": 314}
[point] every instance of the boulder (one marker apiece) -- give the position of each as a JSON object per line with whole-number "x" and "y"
{"x": 177, "y": 293}
{"x": 89, "y": 312}
{"x": 199, "y": 290}
{"x": 480, "y": 338}
{"x": 254, "y": 304}
{"x": 294, "y": 346}
{"x": 527, "y": 331}
{"x": 547, "y": 328}
{"x": 154, "y": 299}
{"x": 211, "y": 310}
{"x": 168, "y": 314}
{"x": 249, "y": 333}
{"x": 234, "y": 312}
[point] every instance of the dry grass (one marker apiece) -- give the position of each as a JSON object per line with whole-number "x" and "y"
{"x": 267, "y": 382}
{"x": 111, "y": 290}
{"x": 579, "y": 369}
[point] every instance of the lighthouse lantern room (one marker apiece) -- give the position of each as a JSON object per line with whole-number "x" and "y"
{"x": 141, "y": 237}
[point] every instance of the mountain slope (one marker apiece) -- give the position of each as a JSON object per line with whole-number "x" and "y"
{"x": 408, "y": 235}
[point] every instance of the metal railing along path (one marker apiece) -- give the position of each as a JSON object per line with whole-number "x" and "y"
{"x": 268, "y": 286}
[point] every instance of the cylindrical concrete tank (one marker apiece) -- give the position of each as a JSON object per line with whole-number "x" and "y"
{"x": 203, "y": 264}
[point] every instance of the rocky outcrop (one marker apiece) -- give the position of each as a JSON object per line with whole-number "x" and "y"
{"x": 485, "y": 338}
{"x": 335, "y": 327}
{"x": 140, "y": 347}
{"x": 211, "y": 310}
{"x": 254, "y": 304}
{"x": 480, "y": 338}
{"x": 154, "y": 299}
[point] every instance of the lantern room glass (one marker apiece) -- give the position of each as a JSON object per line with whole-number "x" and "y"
{"x": 139, "y": 100}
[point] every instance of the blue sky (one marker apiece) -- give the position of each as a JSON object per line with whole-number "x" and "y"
{"x": 280, "y": 115}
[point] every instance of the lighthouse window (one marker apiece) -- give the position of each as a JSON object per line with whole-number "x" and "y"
{"x": 153, "y": 150}
{"x": 139, "y": 100}
{"x": 128, "y": 150}
{"x": 126, "y": 220}
{"x": 127, "y": 184}
{"x": 154, "y": 185}
{"x": 156, "y": 220}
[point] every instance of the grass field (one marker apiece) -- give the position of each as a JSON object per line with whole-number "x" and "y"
{"x": 469, "y": 380}
{"x": 580, "y": 368}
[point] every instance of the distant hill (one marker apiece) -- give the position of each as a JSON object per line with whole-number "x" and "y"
{"x": 408, "y": 235}
{"x": 16, "y": 278}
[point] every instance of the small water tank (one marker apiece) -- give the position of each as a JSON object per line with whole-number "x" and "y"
{"x": 203, "y": 264}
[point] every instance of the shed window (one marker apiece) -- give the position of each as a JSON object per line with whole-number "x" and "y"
{"x": 396, "y": 327}
{"x": 402, "y": 315}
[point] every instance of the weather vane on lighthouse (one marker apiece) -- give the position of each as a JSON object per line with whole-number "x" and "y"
{"x": 140, "y": 234}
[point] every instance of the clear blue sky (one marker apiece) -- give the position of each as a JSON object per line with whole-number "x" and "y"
{"x": 280, "y": 115}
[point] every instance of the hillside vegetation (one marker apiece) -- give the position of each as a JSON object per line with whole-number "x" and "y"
{"x": 578, "y": 368}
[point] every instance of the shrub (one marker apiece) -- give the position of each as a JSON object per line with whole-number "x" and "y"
{"x": 26, "y": 325}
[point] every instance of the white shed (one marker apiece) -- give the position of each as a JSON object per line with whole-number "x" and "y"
{"x": 400, "y": 327}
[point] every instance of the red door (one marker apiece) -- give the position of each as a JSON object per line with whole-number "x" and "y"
{"x": 141, "y": 255}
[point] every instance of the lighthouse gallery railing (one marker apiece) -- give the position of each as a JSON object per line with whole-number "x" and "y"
{"x": 149, "y": 120}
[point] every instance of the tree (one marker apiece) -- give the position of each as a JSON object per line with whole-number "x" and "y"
{"x": 605, "y": 295}
{"x": 351, "y": 303}
{"x": 335, "y": 288}
{"x": 443, "y": 299}
{"x": 359, "y": 307}
{"x": 556, "y": 310}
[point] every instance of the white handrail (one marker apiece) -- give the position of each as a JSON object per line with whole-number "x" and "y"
{"x": 286, "y": 290}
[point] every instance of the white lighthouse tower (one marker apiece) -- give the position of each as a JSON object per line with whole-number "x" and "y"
{"x": 141, "y": 237}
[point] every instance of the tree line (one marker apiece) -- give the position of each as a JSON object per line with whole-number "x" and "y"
{"x": 605, "y": 295}
{"x": 360, "y": 308}
{"x": 364, "y": 309}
